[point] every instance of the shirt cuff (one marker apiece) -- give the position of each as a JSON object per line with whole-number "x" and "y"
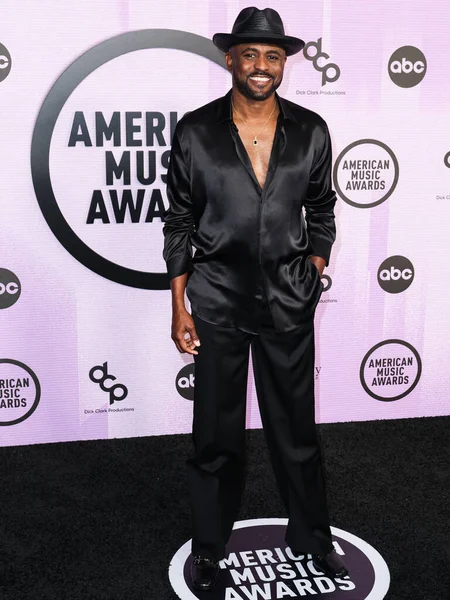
{"x": 322, "y": 247}
{"x": 178, "y": 265}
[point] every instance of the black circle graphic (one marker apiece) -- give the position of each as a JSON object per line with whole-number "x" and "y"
{"x": 185, "y": 381}
{"x": 10, "y": 288}
{"x": 45, "y": 124}
{"x": 395, "y": 274}
{"x": 410, "y": 389}
{"x": 341, "y": 156}
{"x": 5, "y": 63}
{"x": 38, "y": 391}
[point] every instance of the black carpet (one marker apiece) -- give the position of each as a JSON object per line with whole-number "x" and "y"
{"x": 101, "y": 520}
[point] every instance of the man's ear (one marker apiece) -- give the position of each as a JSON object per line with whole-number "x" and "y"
{"x": 229, "y": 61}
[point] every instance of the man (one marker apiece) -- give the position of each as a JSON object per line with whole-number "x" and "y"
{"x": 242, "y": 169}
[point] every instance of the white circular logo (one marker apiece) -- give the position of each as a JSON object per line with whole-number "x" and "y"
{"x": 366, "y": 173}
{"x": 20, "y": 392}
{"x": 390, "y": 370}
{"x": 260, "y": 566}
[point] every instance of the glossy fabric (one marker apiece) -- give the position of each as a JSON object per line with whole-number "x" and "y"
{"x": 249, "y": 242}
{"x": 283, "y": 366}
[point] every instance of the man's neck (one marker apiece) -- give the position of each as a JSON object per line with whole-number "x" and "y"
{"x": 253, "y": 110}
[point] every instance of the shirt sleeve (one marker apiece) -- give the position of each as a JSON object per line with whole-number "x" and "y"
{"x": 320, "y": 201}
{"x": 179, "y": 219}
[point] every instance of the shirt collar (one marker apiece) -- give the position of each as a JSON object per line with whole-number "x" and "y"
{"x": 225, "y": 114}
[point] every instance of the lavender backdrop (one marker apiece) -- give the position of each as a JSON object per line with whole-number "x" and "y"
{"x": 60, "y": 318}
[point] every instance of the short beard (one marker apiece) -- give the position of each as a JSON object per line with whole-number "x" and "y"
{"x": 247, "y": 92}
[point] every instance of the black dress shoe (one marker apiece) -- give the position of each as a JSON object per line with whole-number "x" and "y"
{"x": 331, "y": 564}
{"x": 204, "y": 573}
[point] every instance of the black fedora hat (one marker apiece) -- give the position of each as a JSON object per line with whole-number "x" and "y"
{"x": 254, "y": 25}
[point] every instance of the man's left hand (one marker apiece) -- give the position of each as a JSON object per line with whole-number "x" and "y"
{"x": 319, "y": 262}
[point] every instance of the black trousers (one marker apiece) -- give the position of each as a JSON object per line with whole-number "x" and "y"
{"x": 283, "y": 365}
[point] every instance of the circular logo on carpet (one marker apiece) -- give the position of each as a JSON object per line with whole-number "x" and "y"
{"x": 259, "y": 566}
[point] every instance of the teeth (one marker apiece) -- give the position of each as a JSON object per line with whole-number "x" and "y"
{"x": 260, "y": 78}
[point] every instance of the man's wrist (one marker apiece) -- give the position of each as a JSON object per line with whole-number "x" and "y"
{"x": 319, "y": 262}
{"x": 178, "y": 306}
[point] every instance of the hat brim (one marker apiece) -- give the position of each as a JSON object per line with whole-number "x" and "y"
{"x": 290, "y": 45}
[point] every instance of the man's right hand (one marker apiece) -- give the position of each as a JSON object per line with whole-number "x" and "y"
{"x": 183, "y": 332}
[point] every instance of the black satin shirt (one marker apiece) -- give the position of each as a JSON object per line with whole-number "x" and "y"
{"x": 250, "y": 244}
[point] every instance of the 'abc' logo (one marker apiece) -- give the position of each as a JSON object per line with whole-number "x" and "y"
{"x": 407, "y": 66}
{"x": 5, "y": 62}
{"x": 9, "y": 288}
{"x": 330, "y": 72}
{"x": 395, "y": 274}
{"x": 185, "y": 382}
{"x": 117, "y": 391}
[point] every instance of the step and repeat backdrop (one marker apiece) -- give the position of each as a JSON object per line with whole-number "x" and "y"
{"x": 90, "y": 94}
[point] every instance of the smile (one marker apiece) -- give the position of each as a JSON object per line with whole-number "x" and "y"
{"x": 260, "y": 79}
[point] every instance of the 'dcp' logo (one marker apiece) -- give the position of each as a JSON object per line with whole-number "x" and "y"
{"x": 10, "y": 288}
{"x": 101, "y": 148}
{"x": 327, "y": 282}
{"x": 185, "y": 381}
{"x": 407, "y": 66}
{"x": 5, "y": 62}
{"x": 395, "y": 274}
{"x": 447, "y": 160}
{"x": 99, "y": 374}
{"x": 330, "y": 71}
